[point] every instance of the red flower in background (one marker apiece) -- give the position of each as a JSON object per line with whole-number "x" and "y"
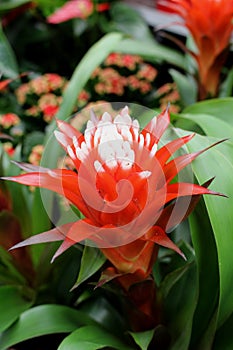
{"x": 8, "y": 120}
{"x": 123, "y": 188}
{"x": 210, "y": 23}
{"x": 75, "y": 9}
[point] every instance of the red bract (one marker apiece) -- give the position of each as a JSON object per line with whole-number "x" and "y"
{"x": 210, "y": 23}
{"x": 123, "y": 188}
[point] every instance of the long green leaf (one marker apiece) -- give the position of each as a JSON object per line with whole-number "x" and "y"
{"x": 9, "y": 274}
{"x": 151, "y": 52}
{"x": 180, "y": 305}
{"x": 104, "y": 312}
{"x": 92, "y": 338}
{"x": 186, "y": 86}
{"x": 40, "y": 223}
{"x": 92, "y": 260}
{"x": 8, "y": 64}
{"x": 224, "y": 339}
{"x": 129, "y": 21}
{"x": 93, "y": 58}
{"x": 12, "y": 305}
{"x": 211, "y": 125}
{"x": 218, "y": 162}
{"x": 226, "y": 89}
{"x": 41, "y": 320}
{"x": 20, "y": 195}
{"x": 208, "y": 279}
{"x": 221, "y": 108}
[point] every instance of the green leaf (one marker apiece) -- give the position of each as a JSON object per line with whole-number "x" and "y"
{"x": 179, "y": 306}
{"x": 38, "y": 226}
{"x": 129, "y": 21}
{"x": 92, "y": 260}
{"x": 219, "y": 107}
{"x": 19, "y": 260}
{"x": 151, "y": 52}
{"x": 206, "y": 341}
{"x": 92, "y": 338}
{"x": 186, "y": 86}
{"x": 21, "y": 202}
{"x": 92, "y": 59}
{"x": 226, "y": 88}
{"x": 9, "y": 272}
{"x": 100, "y": 309}
{"x": 143, "y": 339}
{"x": 38, "y": 211}
{"x": 212, "y": 126}
{"x": 8, "y": 65}
{"x": 205, "y": 320}
{"x": 218, "y": 162}
{"x": 172, "y": 278}
{"x": 12, "y": 4}
{"x": 12, "y": 305}
{"x": 223, "y": 338}
{"x": 41, "y": 320}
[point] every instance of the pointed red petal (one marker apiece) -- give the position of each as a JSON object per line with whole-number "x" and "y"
{"x": 66, "y": 244}
{"x": 165, "y": 152}
{"x": 158, "y": 236}
{"x": 108, "y": 275}
{"x": 69, "y": 130}
{"x": 62, "y": 181}
{"x": 174, "y": 214}
{"x": 82, "y": 230}
{"x": 157, "y": 126}
{"x": 66, "y": 142}
{"x": 79, "y": 231}
{"x": 56, "y": 234}
{"x": 182, "y": 189}
{"x": 29, "y": 168}
{"x": 172, "y": 168}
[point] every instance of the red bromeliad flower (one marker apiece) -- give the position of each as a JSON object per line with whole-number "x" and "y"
{"x": 123, "y": 188}
{"x": 210, "y": 23}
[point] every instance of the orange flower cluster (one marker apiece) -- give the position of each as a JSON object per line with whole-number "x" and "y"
{"x": 8, "y": 120}
{"x": 42, "y": 96}
{"x": 121, "y": 74}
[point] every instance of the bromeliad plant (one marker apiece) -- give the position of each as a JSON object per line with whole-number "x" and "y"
{"x": 210, "y": 25}
{"x": 123, "y": 185}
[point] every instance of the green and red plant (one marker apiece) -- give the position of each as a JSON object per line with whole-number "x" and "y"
{"x": 122, "y": 184}
{"x": 211, "y": 31}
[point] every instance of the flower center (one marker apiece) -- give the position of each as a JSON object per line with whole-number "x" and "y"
{"x": 114, "y": 141}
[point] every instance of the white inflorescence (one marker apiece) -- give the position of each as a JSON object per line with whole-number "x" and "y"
{"x": 114, "y": 140}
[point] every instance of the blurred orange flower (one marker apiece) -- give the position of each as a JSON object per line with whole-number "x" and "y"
{"x": 210, "y": 23}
